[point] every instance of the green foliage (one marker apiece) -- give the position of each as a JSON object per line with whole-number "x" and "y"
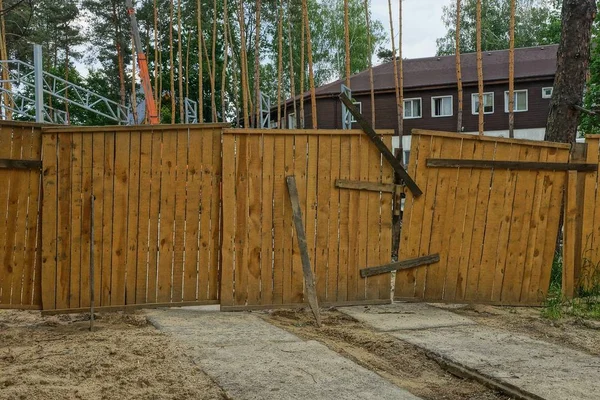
{"x": 537, "y": 23}
{"x": 590, "y": 124}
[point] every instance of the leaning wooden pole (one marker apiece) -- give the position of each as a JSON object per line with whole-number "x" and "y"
{"x": 347, "y": 41}
{"x": 459, "y": 118}
{"x": 480, "y": 69}
{"x": 311, "y": 74}
{"x": 302, "y": 69}
{"x": 180, "y": 64}
{"x": 171, "y": 61}
{"x": 396, "y": 78}
{"x": 511, "y": 71}
{"x": 369, "y": 56}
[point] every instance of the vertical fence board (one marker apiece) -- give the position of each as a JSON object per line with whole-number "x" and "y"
{"x": 76, "y": 221}
{"x": 133, "y": 219}
{"x": 49, "y": 217}
{"x": 299, "y": 171}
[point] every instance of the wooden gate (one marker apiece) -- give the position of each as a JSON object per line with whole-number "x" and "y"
{"x": 20, "y": 201}
{"x": 156, "y": 215}
{"x": 495, "y": 228}
{"x": 346, "y": 229}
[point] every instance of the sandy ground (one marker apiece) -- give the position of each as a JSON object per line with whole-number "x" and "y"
{"x": 578, "y": 334}
{"x": 399, "y": 362}
{"x": 56, "y": 357}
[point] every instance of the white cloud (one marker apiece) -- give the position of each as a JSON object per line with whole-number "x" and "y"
{"x": 422, "y": 24}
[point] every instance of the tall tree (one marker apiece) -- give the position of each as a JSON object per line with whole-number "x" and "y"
{"x": 571, "y": 70}
{"x": 511, "y": 71}
{"x": 459, "y": 119}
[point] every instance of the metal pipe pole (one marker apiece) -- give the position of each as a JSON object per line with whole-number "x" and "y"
{"x": 92, "y": 264}
{"x": 39, "y": 83}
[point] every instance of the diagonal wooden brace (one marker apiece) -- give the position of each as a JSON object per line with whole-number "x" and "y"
{"x": 387, "y": 154}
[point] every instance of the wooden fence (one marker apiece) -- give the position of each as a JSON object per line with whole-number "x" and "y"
{"x": 495, "y": 229}
{"x": 20, "y": 201}
{"x": 346, "y": 229}
{"x": 156, "y": 215}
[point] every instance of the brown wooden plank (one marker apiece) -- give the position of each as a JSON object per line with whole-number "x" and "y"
{"x": 479, "y": 227}
{"x": 570, "y": 232}
{"x": 107, "y": 220}
{"x": 311, "y": 199}
{"x": 374, "y": 223}
{"x": 400, "y": 265}
{"x": 385, "y": 242}
{"x": 98, "y": 149}
{"x": 299, "y": 171}
{"x": 362, "y": 222}
{"x": 534, "y": 236}
{"x": 241, "y": 249}
{"x": 590, "y": 205}
{"x": 334, "y": 205}
{"x": 215, "y": 214}
{"x": 75, "y": 291}
{"x": 205, "y": 216}
{"x": 492, "y": 225}
{"x": 155, "y": 200}
{"x": 5, "y": 149}
{"x": 124, "y": 128}
{"x": 442, "y": 220}
{"x": 266, "y": 256}
{"x": 11, "y": 163}
{"x": 86, "y": 216}
{"x": 323, "y": 218}
{"x": 517, "y": 240}
{"x": 228, "y": 221}
{"x": 309, "y": 278}
{"x": 32, "y": 262}
{"x": 456, "y": 229}
{"x": 64, "y": 221}
{"x": 192, "y": 221}
{"x": 513, "y": 165}
{"x": 494, "y": 139}
{"x": 180, "y": 215}
{"x": 167, "y": 216}
{"x": 11, "y": 203}
{"x": 120, "y": 216}
{"x": 254, "y": 228}
{"x": 359, "y": 185}
{"x": 143, "y": 233}
{"x": 288, "y": 225}
{"x": 344, "y": 226}
{"x": 309, "y": 132}
{"x": 353, "y": 213}
{"x": 279, "y": 193}
{"x": 133, "y": 219}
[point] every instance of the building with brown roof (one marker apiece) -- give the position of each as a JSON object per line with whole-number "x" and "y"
{"x": 430, "y": 94}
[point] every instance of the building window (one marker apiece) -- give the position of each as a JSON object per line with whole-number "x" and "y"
{"x": 292, "y": 121}
{"x": 520, "y": 101}
{"x": 358, "y": 105}
{"x": 412, "y": 108}
{"x": 488, "y": 103}
{"x": 441, "y": 106}
{"x": 547, "y": 93}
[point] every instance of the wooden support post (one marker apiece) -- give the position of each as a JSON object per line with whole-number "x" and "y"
{"x": 400, "y": 265}
{"x": 362, "y": 185}
{"x": 309, "y": 279}
{"x": 20, "y": 164}
{"x": 387, "y": 154}
{"x": 513, "y": 165}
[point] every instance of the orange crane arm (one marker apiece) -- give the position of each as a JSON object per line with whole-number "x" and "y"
{"x": 143, "y": 66}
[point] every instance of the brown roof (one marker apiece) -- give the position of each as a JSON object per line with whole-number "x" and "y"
{"x": 530, "y": 62}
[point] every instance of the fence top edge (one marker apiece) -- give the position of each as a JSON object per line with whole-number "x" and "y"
{"x": 131, "y": 128}
{"x": 26, "y": 124}
{"x": 329, "y": 132}
{"x": 455, "y": 135}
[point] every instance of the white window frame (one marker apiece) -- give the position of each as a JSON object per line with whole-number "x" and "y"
{"x": 515, "y": 93}
{"x": 357, "y": 104}
{"x": 547, "y": 96}
{"x": 420, "y": 99}
{"x": 291, "y": 119}
{"x": 433, "y": 106}
{"x": 475, "y": 97}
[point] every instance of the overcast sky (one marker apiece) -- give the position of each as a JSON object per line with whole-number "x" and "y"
{"x": 422, "y": 24}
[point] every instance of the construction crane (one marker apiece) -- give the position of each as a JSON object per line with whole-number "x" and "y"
{"x": 143, "y": 66}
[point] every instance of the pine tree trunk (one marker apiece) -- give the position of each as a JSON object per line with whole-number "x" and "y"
{"x": 480, "y": 69}
{"x": 347, "y": 41}
{"x": 370, "y": 56}
{"x": 213, "y": 94}
{"x": 200, "y": 64}
{"x": 4, "y": 56}
{"x": 120, "y": 61}
{"x": 396, "y": 78}
{"x": 511, "y": 71}
{"x": 157, "y": 93}
{"x": 400, "y": 76}
{"x": 225, "y": 58}
{"x": 572, "y": 66}
{"x": 302, "y": 68}
{"x": 459, "y": 119}
{"x": 292, "y": 72}
{"x": 180, "y": 65}
{"x": 171, "y": 62}
{"x": 244, "y": 64}
{"x": 133, "y": 93}
{"x": 279, "y": 62}
{"x": 257, "y": 66}
{"x": 311, "y": 75}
